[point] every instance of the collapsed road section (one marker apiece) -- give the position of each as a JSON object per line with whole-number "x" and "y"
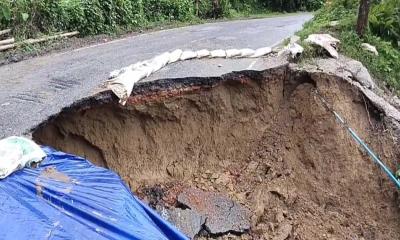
{"x": 259, "y": 142}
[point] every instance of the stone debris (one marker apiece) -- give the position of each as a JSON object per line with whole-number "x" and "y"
{"x": 368, "y": 47}
{"x": 325, "y": 41}
{"x": 222, "y": 214}
{"x": 292, "y": 49}
{"x": 186, "y": 220}
{"x": 360, "y": 74}
{"x": 283, "y": 232}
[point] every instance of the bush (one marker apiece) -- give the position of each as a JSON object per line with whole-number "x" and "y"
{"x": 161, "y": 10}
{"x": 384, "y": 20}
{"x": 29, "y": 17}
{"x": 385, "y": 67}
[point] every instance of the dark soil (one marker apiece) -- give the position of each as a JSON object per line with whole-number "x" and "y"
{"x": 266, "y": 141}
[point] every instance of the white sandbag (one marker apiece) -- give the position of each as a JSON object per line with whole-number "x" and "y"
{"x": 136, "y": 65}
{"x": 325, "y": 41}
{"x": 230, "y": 53}
{"x": 261, "y": 52}
{"x": 159, "y": 62}
{"x": 123, "y": 80}
{"x": 218, "y": 53}
{"x": 203, "y": 53}
{"x": 175, "y": 56}
{"x": 188, "y": 55}
{"x": 114, "y": 74}
{"x": 146, "y": 67}
{"x": 17, "y": 153}
{"x": 246, "y": 52}
{"x": 122, "y": 85}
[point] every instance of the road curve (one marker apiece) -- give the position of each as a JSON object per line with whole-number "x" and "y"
{"x": 34, "y": 89}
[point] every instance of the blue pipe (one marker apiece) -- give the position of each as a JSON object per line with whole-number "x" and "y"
{"x": 364, "y": 145}
{"x": 374, "y": 157}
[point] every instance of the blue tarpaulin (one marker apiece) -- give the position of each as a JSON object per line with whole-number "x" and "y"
{"x": 67, "y": 197}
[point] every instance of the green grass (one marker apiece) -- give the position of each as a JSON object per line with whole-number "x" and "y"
{"x": 385, "y": 68}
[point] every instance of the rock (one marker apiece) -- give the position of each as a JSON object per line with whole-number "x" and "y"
{"x": 325, "y": 41}
{"x": 222, "y": 214}
{"x": 223, "y": 179}
{"x": 292, "y": 49}
{"x": 283, "y": 232}
{"x": 368, "y": 47}
{"x": 187, "y": 221}
{"x": 279, "y": 216}
{"x": 360, "y": 74}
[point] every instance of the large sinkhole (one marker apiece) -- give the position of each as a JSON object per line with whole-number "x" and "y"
{"x": 262, "y": 138}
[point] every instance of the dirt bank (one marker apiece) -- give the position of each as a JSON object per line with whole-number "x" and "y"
{"x": 263, "y": 139}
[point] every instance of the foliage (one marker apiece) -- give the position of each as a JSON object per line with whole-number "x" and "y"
{"x": 161, "y": 10}
{"x": 30, "y": 17}
{"x": 293, "y": 5}
{"x": 385, "y": 20}
{"x": 385, "y": 67}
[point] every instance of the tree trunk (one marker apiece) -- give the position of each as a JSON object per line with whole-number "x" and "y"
{"x": 197, "y": 8}
{"x": 216, "y": 9}
{"x": 362, "y": 21}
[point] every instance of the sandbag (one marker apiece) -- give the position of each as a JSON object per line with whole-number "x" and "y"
{"x": 230, "y": 53}
{"x": 261, "y": 52}
{"x": 246, "y": 52}
{"x": 218, "y": 54}
{"x": 186, "y": 55}
{"x": 175, "y": 56}
{"x": 203, "y": 53}
{"x": 17, "y": 153}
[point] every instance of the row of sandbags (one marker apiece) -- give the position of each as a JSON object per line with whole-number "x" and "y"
{"x": 122, "y": 81}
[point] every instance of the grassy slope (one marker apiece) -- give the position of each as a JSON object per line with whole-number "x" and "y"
{"x": 385, "y": 68}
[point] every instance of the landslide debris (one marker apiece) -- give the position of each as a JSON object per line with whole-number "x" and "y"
{"x": 262, "y": 140}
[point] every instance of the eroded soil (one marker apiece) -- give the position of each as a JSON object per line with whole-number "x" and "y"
{"x": 265, "y": 140}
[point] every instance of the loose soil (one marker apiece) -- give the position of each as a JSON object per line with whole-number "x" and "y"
{"x": 263, "y": 139}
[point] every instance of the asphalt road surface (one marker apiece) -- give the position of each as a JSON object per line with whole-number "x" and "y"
{"x": 34, "y": 89}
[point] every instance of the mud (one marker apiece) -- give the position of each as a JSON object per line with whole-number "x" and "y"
{"x": 263, "y": 139}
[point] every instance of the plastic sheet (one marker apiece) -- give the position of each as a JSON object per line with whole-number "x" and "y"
{"x": 69, "y": 198}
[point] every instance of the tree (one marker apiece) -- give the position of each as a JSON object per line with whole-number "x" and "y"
{"x": 217, "y": 10}
{"x": 362, "y": 21}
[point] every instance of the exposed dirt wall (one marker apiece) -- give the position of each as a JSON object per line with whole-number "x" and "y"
{"x": 267, "y": 138}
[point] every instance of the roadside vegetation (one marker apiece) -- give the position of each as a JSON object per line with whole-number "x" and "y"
{"x": 29, "y": 18}
{"x": 339, "y": 18}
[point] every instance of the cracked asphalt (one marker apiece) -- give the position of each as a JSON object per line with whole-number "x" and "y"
{"x": 33, "y": 90}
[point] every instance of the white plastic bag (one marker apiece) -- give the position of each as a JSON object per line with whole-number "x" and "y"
{"x": 16, "y": 153}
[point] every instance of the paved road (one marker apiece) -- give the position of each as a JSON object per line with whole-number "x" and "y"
{"x": 33, "y": 90}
